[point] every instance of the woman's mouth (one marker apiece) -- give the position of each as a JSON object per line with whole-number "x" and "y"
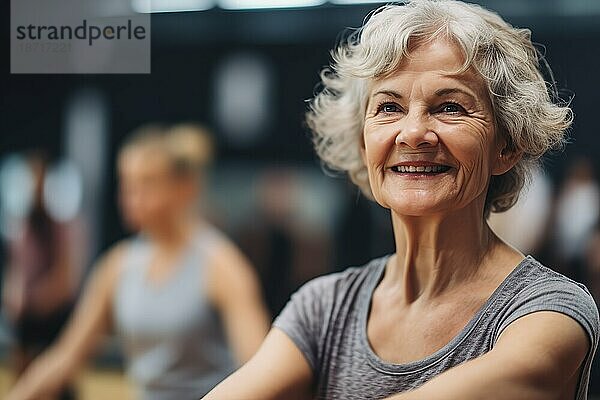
{"x": 420, "y": 169}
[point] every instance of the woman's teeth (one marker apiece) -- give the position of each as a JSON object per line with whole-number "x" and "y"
{"x": 426, "y": 169}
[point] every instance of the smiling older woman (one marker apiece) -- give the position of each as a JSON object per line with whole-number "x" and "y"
{"x": 438, "y": 111}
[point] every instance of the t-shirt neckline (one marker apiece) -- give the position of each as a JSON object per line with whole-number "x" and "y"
{"x": 418, "y": 365}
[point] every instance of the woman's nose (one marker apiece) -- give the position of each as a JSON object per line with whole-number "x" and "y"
{"x": 415, "y": 132}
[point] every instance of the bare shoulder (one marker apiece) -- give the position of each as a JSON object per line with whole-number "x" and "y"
{"x": 108, "y": 267}
{"x": 227, "y": 268}
{"x": 221, "y": 245}
{"x": 223, "y": 255}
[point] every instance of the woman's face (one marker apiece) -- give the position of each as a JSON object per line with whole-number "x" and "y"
{"x": 149, "y": 193}
{"x": 429, "y": 137}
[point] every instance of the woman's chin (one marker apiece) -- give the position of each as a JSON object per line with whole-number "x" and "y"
{"x": 415, "y": 211}
{"x": 413, "y": 206}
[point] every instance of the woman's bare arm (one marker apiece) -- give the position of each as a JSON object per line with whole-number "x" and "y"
{"x": 538, "y": 357}
{"x": 91, "y": 319}
{"x": 234, "y": 289}
{"x": 278, "y": 371}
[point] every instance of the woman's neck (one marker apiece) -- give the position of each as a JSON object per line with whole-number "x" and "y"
{"x": 434, "y": 254}
{"x": 170, "y": 236}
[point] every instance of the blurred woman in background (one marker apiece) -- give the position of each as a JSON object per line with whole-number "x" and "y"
{"x": 40, "y": 282}
{"x": 166, "y": 290}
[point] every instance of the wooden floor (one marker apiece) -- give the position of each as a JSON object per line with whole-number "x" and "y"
{"x": 91, "y": 385}
{"x": 97, "y": 385}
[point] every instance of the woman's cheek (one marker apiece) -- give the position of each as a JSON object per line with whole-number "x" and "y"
{"x": 379, "y": 140}
{"x": 468, "y": 146}
{"x": 472, "y": 151}
{"x": 372, "y": 152}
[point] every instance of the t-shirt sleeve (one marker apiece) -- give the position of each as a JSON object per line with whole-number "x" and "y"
{"x": 559, "y": 295}
{"x": 302, "y": 319}
{"x": 567, "y": 297}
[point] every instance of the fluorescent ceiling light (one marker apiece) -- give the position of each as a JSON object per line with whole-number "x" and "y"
{"x": 152, "y": 6}
{"x": 357, "y": 1}
{"x": 253, "y": 4}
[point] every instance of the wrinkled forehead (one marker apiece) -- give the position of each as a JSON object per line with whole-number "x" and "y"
{"x": 435, "y": 65}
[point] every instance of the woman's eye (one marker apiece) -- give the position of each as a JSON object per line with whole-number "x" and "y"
{"x": 452, "y": 108}
{"x": 388, "y": 108}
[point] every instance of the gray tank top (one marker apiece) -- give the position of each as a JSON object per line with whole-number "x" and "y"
{"x": 172, "y": 336}
{"x": 327, "y": 320}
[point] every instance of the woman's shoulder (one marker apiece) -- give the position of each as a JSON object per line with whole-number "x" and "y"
{"x": 112, "y": 262}
{"x": 320, "y": 296}
{"x": 312, "y": 307}
{"x": 211, "y": 241}
{"x": 542, "y": 278}
{"x": 541, "y": 288}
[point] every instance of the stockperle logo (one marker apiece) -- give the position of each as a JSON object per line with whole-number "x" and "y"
{"x": 78, "y": 36}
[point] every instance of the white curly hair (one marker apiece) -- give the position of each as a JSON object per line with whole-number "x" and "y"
{"x": 527, "y": 109}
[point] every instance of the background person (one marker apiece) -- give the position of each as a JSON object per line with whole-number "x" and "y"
{"x": 40, "y": 282}
{"x": 165, "y": 291}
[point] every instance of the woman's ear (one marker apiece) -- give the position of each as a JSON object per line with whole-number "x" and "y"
{"x": 505, "y": 160}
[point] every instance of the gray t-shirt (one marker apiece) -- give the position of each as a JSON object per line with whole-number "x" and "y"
{"x": 327, "y": 320}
